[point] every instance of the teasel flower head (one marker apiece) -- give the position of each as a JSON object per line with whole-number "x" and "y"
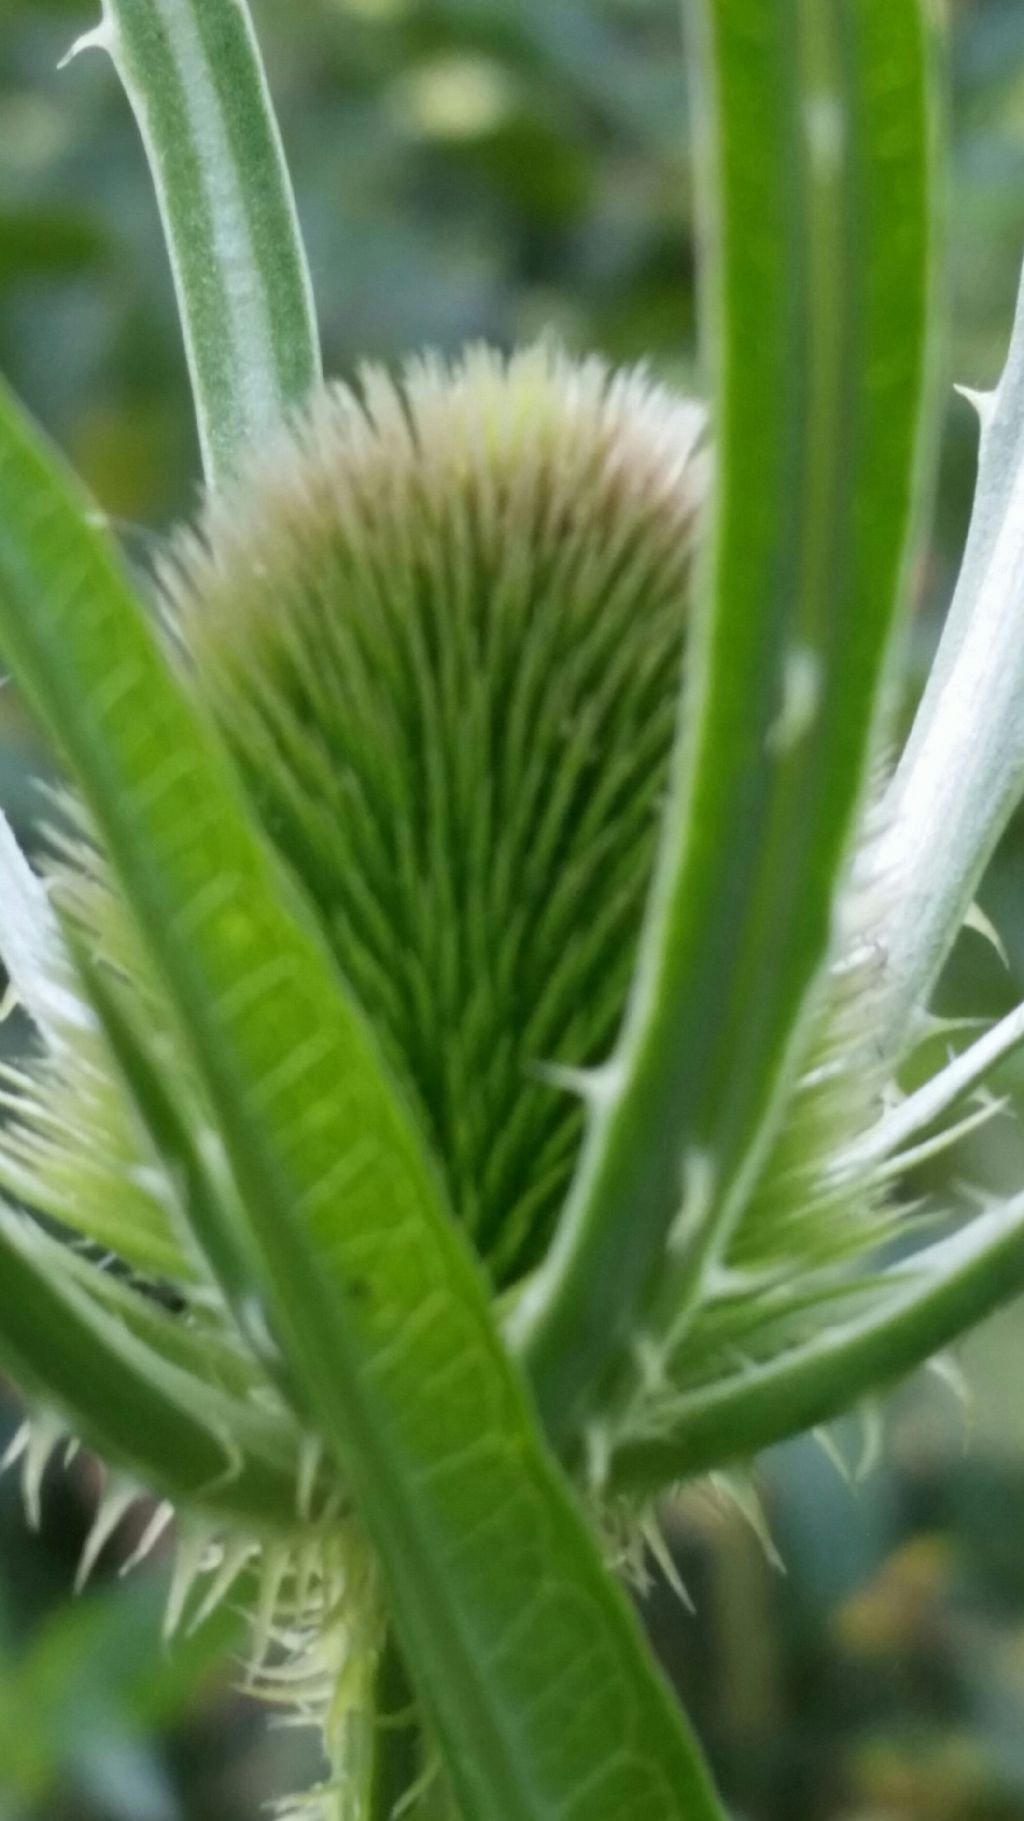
{"x": 440, "y": 625}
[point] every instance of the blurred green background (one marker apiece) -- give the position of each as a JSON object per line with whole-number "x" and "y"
{"x": 490, "y": 168}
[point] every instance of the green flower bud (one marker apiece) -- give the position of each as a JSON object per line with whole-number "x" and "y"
{"x": 440, "y": 628}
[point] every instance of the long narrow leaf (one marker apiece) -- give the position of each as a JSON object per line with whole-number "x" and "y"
{"x": 898, "y": 1127}
{"x": 930, "y": 1301}
{"x": 526, "y": 1654}
{"x": 175, "y": 1431}
{"x": 815, "y": 141}
{"x": 962, "y": 774}
{"x": 192, "y": 72}
{"x": 200, "y": 1181}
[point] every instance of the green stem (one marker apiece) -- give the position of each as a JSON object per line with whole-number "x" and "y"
{"x": 193, "y": 75}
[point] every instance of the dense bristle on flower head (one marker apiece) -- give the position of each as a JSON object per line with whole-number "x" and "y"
{"x": 441, "y": 629}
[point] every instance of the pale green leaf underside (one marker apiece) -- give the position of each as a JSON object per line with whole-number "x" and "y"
{"x": 962, "y": 773}
{"x": 815, "y": 139}
{"x": 192, "y": 72}
{"x": 529, "y": 1661}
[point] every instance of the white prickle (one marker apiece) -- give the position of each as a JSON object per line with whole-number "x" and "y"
{"x": 948, "y": 1370}
{"x": 598, "y": 1087}
{"x": 801, "y": 700}
{"x": 16, "y": 1447}
{"x": 912, "y": 1115}
{"x": 657, "y": 1543}
{"x": 114, "y": 1504}
{"x": 738, "y": 1490}
{"x": 157, "y": 1527}
{"x": 100, "y": 38}
{"x": 276, "y": 1567}
{"x": 238, "y": 1553}
{"x": 982, "y": 925}
{"x": 982, "y": 403}
{"x": 189, "y": 1567}
{"x": 697, "y": 1200}
{"x": 989, "y": 1108}
{"x": 872, "y": 1438}
{"x": 830, "y": 1448}
{"x": 46, "y": 1432}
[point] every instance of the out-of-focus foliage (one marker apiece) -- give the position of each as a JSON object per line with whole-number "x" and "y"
{"x": 483, "y": 168}
{"x": 465, "y": 168}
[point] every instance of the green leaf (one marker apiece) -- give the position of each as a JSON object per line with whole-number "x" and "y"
{"x": 136, "y": 1405}
{"x": 527, "y": 1656}
{"x": 887, "y": 1143}
{"x": 919, "y": 1308}
{"x": 197, "y": 1168}
{"x": 192, "y": 72}
{"x": 961, "y": 776}
{"x": 814, "y": 141}
{"x": 196, "y": 1339}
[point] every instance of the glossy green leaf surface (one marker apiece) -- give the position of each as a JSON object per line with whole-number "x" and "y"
{"x": 526, "y": 1655}
{"x": 817, "y": 218}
